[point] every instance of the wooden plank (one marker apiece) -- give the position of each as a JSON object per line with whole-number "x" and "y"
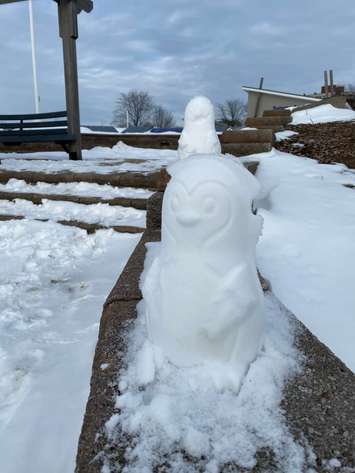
{"x": 24, "y": 126}
{"x": 59, "y": 138}
{"x": 21, "y": 133}
{"x": 34, "y": 116}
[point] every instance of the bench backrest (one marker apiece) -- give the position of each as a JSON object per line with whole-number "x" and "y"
{"x": 22, "y": 123}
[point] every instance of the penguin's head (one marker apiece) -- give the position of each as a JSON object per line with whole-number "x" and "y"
{"x": 199, "y": 112}
{"x": 207, "y": 202}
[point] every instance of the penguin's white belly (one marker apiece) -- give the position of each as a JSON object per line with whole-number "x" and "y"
{"x": 186, "y": 289}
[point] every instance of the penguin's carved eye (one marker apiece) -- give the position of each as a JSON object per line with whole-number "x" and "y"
{"x": 209, "y": 205}
{"x": 175, "y": 203}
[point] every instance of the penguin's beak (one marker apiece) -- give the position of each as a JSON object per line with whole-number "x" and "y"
{"x": 188, "y": 218}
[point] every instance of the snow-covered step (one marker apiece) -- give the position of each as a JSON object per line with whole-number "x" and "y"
{"x": 39, "y": 198}
{"x": 88, "y": 227}
{"x": 151, "y": 180}
{"x": 102, "y": 215}
{"x": 94, "y": 166}
{"x": 82, "y": 189}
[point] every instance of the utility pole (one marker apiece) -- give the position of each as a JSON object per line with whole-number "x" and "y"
{"x": 34, "y": 61}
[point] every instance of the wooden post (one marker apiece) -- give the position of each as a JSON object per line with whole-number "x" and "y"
{"x": 68, "y": 30}
{"x": 259, "y": 98}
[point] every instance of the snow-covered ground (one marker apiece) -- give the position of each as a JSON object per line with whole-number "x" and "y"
{"x": 53, "y": 282}
{"x": 308, "y": 248}
{"x": 84, "y": 189}
{"x": 322, "y": 114}
{"x": 103, "y": 214}
{"x": 119, "y": 151}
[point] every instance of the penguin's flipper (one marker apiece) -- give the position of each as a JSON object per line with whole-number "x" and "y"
{"x": 232, "y": 302}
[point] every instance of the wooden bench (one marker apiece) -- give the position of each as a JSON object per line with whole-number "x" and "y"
{"x": 37, "y": 128}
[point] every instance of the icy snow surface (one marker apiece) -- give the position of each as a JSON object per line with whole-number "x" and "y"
{"x": 84, "y": 189}
{"x": 104, "y": 214}
{"x": 53, "y": 282}
{"x": 322, "y": 114}
{"x": 181, "y": 409}
{"x": 199, "y": 134}
{"x": 209, "y": 235}
{"x": 308, "y": 248}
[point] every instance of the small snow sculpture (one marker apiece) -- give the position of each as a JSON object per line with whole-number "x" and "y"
{"x": 199, "y": 134}
{"x": 203, "y": 298}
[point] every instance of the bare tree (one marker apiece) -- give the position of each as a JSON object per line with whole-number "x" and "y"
{"x": 162, "y": 118}
{"x": 231, "y": 112}
{"x": 138, "y": 104}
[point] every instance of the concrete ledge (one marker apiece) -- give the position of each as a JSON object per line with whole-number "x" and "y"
{"x": 278, "y": 120}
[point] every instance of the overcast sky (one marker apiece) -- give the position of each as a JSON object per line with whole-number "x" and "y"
{"x": 176, "y": 49}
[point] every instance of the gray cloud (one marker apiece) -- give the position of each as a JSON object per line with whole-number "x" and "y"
{"x": 176, "y": 49}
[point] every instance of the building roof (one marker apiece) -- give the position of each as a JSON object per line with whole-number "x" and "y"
{"x": 278, "y": 93}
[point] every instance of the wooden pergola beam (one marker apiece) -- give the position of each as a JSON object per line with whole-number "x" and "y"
{"x": 68, "y": 11}
{"x": 86, "y": 5}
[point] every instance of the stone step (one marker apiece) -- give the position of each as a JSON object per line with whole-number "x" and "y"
{"x": 244, "y": 149}
{"x": 89, "y": 227}
{"x": 37, "y": 199}
{"x": 267, "y": 122}
{"x": 277, "y": 113}
{"x": 149, "y": 180}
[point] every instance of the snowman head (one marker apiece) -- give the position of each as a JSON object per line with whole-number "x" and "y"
{"x": 199, "y": 113}
{"x": 207, "y": 205}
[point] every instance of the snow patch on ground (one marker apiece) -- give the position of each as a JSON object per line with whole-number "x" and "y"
{"x": 82, "y": 189}
{"x": 53, "y": 282}
{"x": 322, "y": 114}
{"x": 307, "y": 249}
{"x": 104, "y": 214}
{"x": 284, "y": 135}
{"x": 180, "y": 409}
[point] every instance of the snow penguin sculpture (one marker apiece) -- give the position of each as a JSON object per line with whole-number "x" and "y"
{"x": 199, "y": 134}
{"x": 203, "y": 298}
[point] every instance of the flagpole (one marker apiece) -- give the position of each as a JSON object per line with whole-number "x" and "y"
{"x": 34, "y": 62}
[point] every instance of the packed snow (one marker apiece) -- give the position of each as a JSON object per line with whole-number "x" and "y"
{"x": 81, "y": 189}
{"x": 103, "y": 214}
{"x": 97, "y": 167}
{"x": 209, "y": 235}
{"x": 53, "y": 282}
{"x": 180, "y": 415}
{"x": 285, "y": 135}
{"x": 322, "y": 114}
{"x": 199, "y": 134}
{"x": 121, "y": 151}
{"x": 307, "y": 249}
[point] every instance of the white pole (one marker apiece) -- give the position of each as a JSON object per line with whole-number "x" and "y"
{"x": 127, "y": 119}
{"x": 34, "y": 62}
